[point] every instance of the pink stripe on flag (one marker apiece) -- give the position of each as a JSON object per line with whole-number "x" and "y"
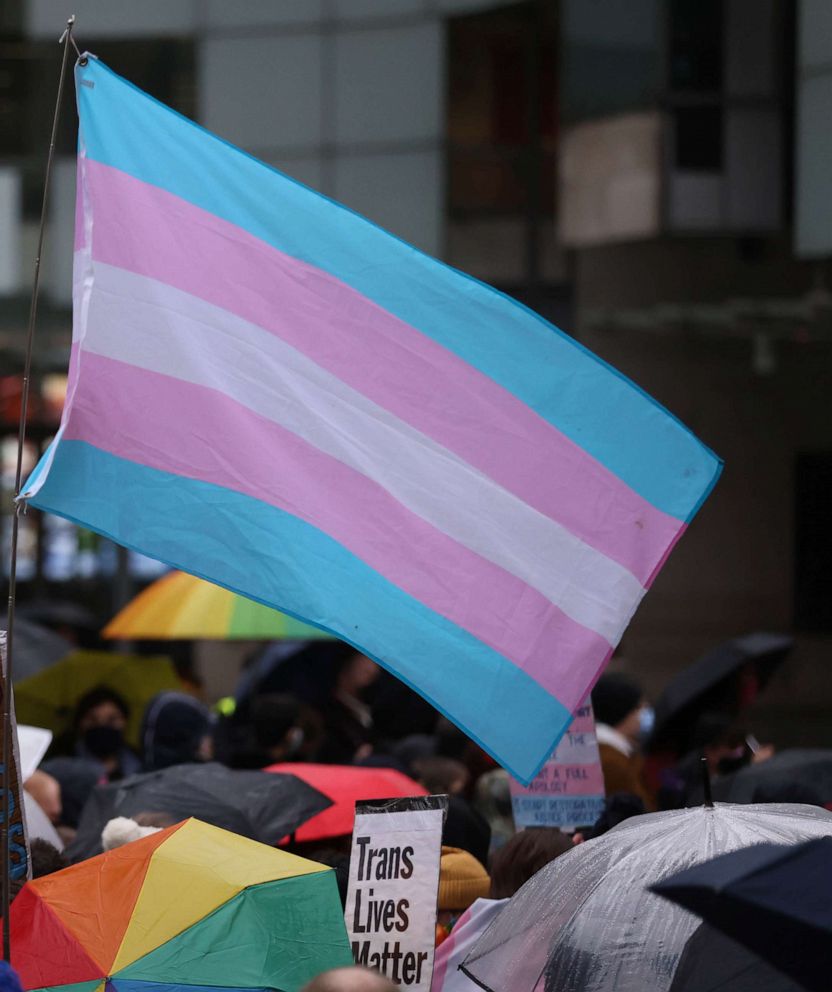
{"x": 148, "y": 231}
{"x": 80, "y": 241}
{"x": 190, "y": 430}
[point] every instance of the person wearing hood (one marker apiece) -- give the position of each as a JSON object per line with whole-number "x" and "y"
{"x": 623, "y": 720}
{"x": 100, "y": 723}
{"x": 176, "y": 730}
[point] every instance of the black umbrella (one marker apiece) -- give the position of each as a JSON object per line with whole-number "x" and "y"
{"x": 36, "y": 648}
{"x": 259, "y": 805}
{"x": 774, "y": 899}
{"x": 712, "y": 962}
{"x": 794, "y": 775}
{"x": 713, "y": 683}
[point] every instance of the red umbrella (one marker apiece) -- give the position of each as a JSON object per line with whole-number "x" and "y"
{"x": 344, "y": 785}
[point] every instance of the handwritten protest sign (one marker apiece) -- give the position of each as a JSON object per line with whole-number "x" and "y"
{"x": 568, "y": 792}
{"x": 394, "y": 879}
{"x": 19, "y": 867}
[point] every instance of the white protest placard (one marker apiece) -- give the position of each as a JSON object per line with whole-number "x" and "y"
{"x": 568, "y": 791}
{"x": 394, "y": 880}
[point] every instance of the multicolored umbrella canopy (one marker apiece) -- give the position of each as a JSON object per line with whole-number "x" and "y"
{"x": 190, "y": 907}
{"x": 49, "y": 698}
{"x": 182, "y": 606}
{"x": 345, "y": 785}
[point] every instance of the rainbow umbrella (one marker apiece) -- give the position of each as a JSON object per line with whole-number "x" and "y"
{"x": 182, "y": 606}
{"x": 191, "y": 907}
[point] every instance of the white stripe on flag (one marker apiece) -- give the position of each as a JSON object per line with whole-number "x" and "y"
{"x": 153, "y": 326}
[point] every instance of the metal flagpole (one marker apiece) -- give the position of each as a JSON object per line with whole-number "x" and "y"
{"x": 66, "y": 40}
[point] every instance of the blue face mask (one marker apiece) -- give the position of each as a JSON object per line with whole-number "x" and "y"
{"x": 647, "y": 719}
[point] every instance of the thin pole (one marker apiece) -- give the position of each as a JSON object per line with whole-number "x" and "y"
{"x": 706, "y": 783}
{"x": 66, "y": 40}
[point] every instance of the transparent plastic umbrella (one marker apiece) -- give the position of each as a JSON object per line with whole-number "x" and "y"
{"x": 587, "y": 923}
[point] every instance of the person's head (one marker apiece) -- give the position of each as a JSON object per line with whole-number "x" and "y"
{"x": 442, "y": 775}
{"x": 462, "y": 880}
{"x": 350, "y": 979}
{"x": 721, "y": 741}
{"x": 276, "y": 720}
{"x": 451, "y": 742}
{"x": 176, "y": 730}
{"x": 46, "y": 858}
{"x": 46, "y": 791}
{"x": 618, "y": 701}
{"x": 464, "y": 827}
{"x": 523, "y": 856}
{"x": 414, "y": 748}
{"x": 492, "y": 800}
{"x": 355, "y": 673}
{"x": 100, "y": 721}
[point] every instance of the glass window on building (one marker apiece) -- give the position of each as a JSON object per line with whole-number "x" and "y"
{"x": 695, "y": 45}
{"x": 501, "y": 117}
{"x": 612, "y": 57}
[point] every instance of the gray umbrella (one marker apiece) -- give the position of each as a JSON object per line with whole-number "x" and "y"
{"x": 587, "y": 921}
{"x": 36, "y": 648}
{"x": 259, "y": 805}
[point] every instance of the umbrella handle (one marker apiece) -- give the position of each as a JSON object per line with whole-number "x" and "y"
{"x": 706, "y": 783}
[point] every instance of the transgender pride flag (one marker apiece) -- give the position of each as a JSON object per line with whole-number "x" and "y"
{"x": 271, "y": 392}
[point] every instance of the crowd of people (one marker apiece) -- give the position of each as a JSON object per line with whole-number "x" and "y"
{"x": 326, "y": 703}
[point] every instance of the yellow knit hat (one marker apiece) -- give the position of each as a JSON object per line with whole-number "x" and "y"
{"x": 462, "y": 879}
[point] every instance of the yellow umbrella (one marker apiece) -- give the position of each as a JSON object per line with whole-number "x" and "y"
{"x": 182, "y": 606}
{"x": 49, "y": 698}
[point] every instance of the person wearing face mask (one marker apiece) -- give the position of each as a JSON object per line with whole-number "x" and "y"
{"x": 623, "y": 721}
{"x": 100, "y": 722}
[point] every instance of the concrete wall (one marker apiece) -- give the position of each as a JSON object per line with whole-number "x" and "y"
{"x": 732, "y": 572}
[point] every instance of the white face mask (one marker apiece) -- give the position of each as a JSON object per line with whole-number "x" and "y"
{"x": 647, "y": 719}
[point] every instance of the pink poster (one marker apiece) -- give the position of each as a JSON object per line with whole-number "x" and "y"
{"x": 568, "y": 791}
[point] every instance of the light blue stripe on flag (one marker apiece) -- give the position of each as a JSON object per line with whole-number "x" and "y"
{"x": 173, "y": 518}
{"x": 589, "y": 402}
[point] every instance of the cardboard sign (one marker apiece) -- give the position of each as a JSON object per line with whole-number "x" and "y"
{"x": 394, "y": 880}
{"x": 20, "y": 867}
{"x": 569, "y": 790}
